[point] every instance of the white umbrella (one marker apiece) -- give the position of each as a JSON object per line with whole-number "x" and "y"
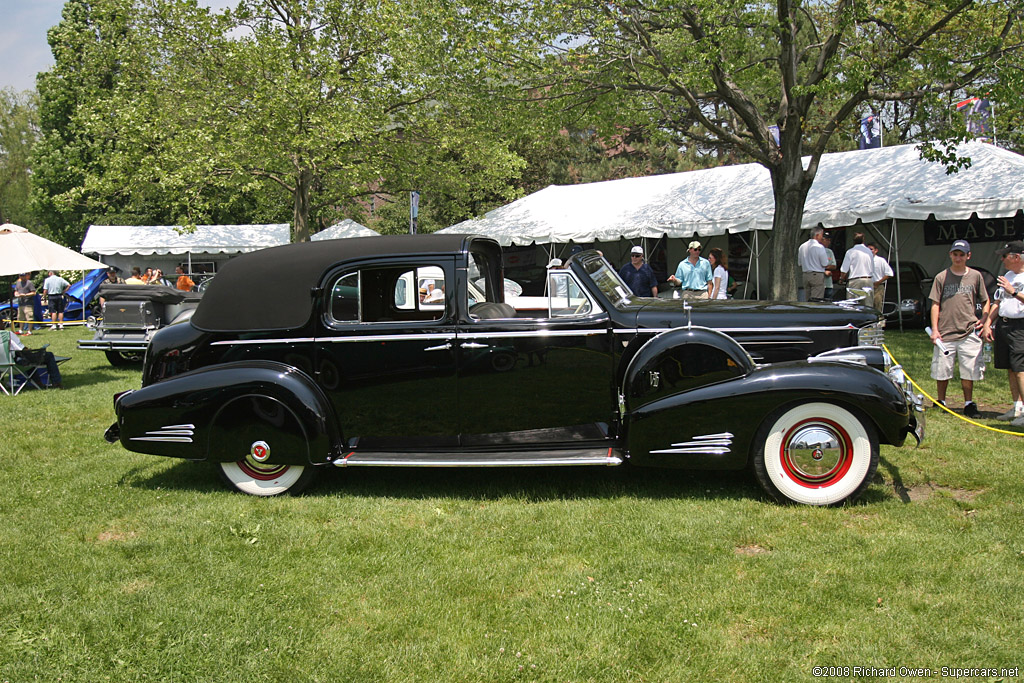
{"x": 23, "y": 252}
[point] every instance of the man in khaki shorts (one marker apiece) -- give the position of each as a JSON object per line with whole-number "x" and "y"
{"x": 955, "y": 294}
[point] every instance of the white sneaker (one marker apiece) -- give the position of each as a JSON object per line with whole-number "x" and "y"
{"x": 1008, "y": 415}
{"x": 53, "y": 327}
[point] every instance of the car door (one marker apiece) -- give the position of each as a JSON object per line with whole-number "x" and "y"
{"x": 541, "y": 380}
{"x": 387, "y": 357}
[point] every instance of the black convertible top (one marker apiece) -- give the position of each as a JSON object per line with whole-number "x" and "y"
{"x": 156, "y": 293}
{"x": 270, "y": 289}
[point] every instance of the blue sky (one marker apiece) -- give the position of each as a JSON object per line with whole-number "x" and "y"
{"x": 23, "y": 48}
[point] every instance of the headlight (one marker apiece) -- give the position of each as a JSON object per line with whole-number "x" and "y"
{"x": 871, "y": 335}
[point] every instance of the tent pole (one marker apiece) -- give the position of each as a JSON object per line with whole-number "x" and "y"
{"x": 757, "y": 266}
{"x": 894, "y": 248}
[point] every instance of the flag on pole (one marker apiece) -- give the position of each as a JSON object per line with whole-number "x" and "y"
{"x": 978, "y": 116}
{"x": 414, "y": 211}
{"x": 870, "y": 132}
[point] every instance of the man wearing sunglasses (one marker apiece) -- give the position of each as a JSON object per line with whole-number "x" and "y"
{"x": 693, "y": 274}
{"x": 638, "y": 275}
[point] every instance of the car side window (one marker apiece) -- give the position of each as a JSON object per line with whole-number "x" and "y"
{"x": 566, "y": 297}
{"x": 345, "y": 298}
{"x": 388, "y": 294}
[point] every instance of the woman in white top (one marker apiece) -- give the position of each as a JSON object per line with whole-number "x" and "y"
{"x": 720, "y": 277}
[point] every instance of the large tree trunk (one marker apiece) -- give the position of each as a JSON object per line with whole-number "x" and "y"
{"x": 790, "y": 185}
{"x": 300, "y": 215}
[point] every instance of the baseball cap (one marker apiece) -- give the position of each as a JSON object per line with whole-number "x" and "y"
{"x": 961, "y": 245}
{"x": 555, "y": 263}
{"x": 1014, "y": 247}
{"x": 694, "y": 245}
{"x": 637, "y": 250}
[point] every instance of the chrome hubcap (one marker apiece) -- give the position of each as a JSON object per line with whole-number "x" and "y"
{"x": 815, "y": 452}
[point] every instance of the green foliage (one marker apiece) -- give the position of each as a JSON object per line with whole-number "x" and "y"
{"x": 718, "y": 76}
{"x": 19, "y": 130}
{"x": 311, "y": 103}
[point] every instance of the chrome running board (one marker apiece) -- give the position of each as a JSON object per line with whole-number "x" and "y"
{"x": 553, "y": 458}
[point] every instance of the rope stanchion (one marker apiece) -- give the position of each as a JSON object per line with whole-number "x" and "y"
{"x": 958, "y": 415}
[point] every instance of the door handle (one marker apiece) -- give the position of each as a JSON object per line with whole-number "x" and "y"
{"x": 473, "y": 345}
{"x": 442, "y": 347}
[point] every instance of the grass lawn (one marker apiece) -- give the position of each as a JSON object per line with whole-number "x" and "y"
{"x": 124, "y": 567}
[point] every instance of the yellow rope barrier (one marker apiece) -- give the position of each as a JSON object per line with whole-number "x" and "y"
{"x": 962, "y": 417}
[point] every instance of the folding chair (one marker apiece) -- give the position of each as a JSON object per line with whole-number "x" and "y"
{"x": 11, "y": 369}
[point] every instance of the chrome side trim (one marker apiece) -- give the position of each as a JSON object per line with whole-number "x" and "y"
{"x": 727, "y": 330}
{"x": 169, "y": 434}
{"x": 590, "y": 332}
{"x": 708, "y": 444}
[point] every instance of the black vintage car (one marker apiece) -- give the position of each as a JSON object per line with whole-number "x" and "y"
{"x": 346, "y": 354}
{"x": 131, "y": 314}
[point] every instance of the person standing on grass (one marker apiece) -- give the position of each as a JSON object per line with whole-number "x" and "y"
{"x": 955, "y": 294}
{"x": 55, "y": 286}
{"x": 184, "y": 282}
{"x": 883, "y": 271}
{"x": 1008, "y": 317}
{"x": 693, "y": 274}
{"x": 832, "y": 269}
{"x": 858, "y": 268}
{"x": 638, "y": 275}
{"x": 814, "y": 264}
{"x": 25, "y": 293}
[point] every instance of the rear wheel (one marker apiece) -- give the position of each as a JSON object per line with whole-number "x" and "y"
{"x": 123, "y": 358}
{"x": 266, "y": 479}
{"x": 815, "y": 454}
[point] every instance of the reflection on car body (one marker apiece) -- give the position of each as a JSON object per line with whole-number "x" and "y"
{"x": 276, "y": 393}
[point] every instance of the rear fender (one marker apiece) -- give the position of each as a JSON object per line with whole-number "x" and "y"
{"x": 223, "y": 412}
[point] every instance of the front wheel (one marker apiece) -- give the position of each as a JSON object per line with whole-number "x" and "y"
{"x": 815, "y": 454}
{"x": 266, "y": 479}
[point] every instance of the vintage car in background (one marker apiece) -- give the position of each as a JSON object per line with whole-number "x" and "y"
{"x": 131, "y": 314}
{"x": 328, "y": 354}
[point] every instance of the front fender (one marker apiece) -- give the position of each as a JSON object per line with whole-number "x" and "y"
{"x": 713, "y": 427}
{"x": 217, "y": 413}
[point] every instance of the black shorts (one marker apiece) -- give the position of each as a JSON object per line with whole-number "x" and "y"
{"x": 1009, "y": 351}
{"x": 56, "y": 303}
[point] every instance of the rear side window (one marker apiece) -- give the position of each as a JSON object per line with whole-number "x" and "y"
{"x": 389, "y": 294}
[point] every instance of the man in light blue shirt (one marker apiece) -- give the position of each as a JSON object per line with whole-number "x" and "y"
{"x": 55, "y": 286}
{"x": 693, "y": 274}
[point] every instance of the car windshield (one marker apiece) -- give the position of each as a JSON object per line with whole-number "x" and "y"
{"x": 608, "y": 281}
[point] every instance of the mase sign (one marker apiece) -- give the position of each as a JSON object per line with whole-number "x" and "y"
{"x": 973, "y": 229}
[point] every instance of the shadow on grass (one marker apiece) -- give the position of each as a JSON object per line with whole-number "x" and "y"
{"x": 532, "y": 484}
{"x": 876, "y": 495}
{"x": 98, "y": 374}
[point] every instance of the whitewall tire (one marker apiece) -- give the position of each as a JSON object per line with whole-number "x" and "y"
{"x": 265, "y": 479}
{"x": 815, "y": 454}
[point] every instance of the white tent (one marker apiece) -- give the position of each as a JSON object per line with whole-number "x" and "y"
{"x": 145, "y": 240}
{"x": 22, "y": 252}
{"x": 343, "y": 230}
{"x": 869, "y": 185}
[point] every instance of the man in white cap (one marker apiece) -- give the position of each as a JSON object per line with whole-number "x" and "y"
{"x": 693, "y": 274}
{"x": 638, "y": 275}
{"x": 955, "y": 294}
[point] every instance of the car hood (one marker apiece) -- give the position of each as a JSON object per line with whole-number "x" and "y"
{"x": 744, "y": 314}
